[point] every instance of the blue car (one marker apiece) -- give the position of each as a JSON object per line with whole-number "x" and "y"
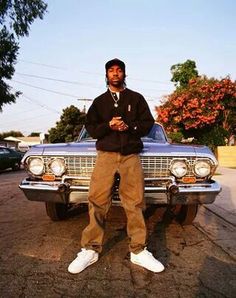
{"x": 176, "y": 175}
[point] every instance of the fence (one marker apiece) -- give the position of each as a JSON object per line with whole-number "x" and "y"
{"x": 226, "y": 156}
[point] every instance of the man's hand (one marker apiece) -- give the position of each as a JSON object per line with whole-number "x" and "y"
{"x": 117, "y": 123}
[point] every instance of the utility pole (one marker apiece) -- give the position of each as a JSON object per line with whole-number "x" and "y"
{"x": 85, "y": 101}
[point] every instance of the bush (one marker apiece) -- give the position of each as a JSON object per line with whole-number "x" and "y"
{"x": 213, "y": 137}
{"x": 175, "y": 137}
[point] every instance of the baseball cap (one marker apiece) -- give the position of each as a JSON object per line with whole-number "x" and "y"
{"x": 113, "y": 62}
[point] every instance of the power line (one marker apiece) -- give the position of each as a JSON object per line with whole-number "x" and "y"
{"x": 37, "y": 102}
{"x": 56, "y": 80}
{"x": 130, "y": 78}
{"x": 19, "y": 114}
{"x": 41, "y": 64}
{"x": 24, "y": 120}
{"x": 151, "y": 81}
{"x": 64, "y": 94}
{"x": 96, "y": 73}
{"x": 44, "y": 89}
{"x": 41, "y": 105}
{"x": 49, "y": 109}
{"x": 74, "y": 82}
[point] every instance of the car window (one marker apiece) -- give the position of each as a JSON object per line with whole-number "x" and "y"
{"x": 156, "y": 134}
{"x": 3, "y": 151}
{"x": 84, "y": 135}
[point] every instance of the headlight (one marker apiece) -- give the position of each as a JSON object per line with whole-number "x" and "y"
{"x": 179, "y": 168}
{"x": 202, "y": 168}
{"x": 36, "y": 166}
{"x": 57, "y": 166}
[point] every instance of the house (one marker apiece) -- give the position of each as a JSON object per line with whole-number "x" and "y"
{"x": 21, "y": 143}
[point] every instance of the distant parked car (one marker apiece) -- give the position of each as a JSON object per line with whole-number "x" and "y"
{"x": 178, "y": 176}
{"x": 10, "y": 158}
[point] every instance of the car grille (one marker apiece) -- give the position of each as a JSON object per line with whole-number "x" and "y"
{"x": 80, "y": 165}
{"x": 152, "y": 166}
{"x": 155, "y": 167}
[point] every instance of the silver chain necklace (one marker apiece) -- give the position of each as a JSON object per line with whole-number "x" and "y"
{"x": 115, "y": 98}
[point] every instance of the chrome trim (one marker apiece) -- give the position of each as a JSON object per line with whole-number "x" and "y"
{"x": 64, "y": 193}
{"x": 66, "y": 177}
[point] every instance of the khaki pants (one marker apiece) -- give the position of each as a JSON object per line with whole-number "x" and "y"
{"x": 131, "y": 194}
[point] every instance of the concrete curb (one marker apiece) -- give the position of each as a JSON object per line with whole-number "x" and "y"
{"x": 225, "y": 203}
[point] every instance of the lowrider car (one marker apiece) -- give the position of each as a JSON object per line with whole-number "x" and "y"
{"x": 176, "y": 175}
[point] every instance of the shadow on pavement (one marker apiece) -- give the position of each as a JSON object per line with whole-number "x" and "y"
{"x": 212, "y": 282}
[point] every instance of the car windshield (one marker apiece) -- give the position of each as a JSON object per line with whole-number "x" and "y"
{"x": 156, "y": 135}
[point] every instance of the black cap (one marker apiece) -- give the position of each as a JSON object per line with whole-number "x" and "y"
{"x": 113, "y": 62}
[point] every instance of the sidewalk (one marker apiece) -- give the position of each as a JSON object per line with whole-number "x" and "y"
{"x": 218, "y": 220}
{"x": 225, "y": 203}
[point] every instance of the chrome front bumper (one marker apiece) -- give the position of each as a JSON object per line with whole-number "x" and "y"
{"x": 171, "y": 193}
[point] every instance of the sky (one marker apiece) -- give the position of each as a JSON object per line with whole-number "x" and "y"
{"x": 62, "y": 61}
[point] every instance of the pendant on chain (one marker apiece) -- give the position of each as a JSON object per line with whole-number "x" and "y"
{"x": 116, "y": 105}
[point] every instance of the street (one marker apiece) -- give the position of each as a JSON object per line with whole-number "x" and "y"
{"x": 35, "y": 253}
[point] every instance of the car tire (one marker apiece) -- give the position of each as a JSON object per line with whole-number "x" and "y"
{"x": 187, "y": 214}
{"x": 16, "y": 166}
{"x": 56, "y": 211}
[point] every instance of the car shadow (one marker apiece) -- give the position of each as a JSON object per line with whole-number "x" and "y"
{"x": 158, "y": 219}
{"x": 77, "y": 210}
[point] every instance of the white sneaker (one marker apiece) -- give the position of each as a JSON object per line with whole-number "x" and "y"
{"x": 85, "y": 258}
{"x": 146, "y": 260}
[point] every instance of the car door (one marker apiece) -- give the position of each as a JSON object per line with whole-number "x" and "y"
{"x": 13, "y": 158}
{"x": 9, "y": 158}
{"x": 3, "y": 159}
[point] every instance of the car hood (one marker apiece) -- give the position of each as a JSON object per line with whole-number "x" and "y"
{"x": 176, "y": 150}
{"x": 62, "y": 149}
{"x": 88, "y": 148}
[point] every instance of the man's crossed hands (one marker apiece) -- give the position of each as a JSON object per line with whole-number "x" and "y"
{"x": 117, "y": 123}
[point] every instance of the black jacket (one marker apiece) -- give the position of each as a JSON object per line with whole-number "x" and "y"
{"x": 134, "y": 111}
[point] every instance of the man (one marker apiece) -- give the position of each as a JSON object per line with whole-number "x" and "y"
{"x": 117, "y": 119}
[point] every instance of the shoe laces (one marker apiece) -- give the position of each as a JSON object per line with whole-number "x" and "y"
{"x": 147, "y": 252}
{"x": 84, "y": 252}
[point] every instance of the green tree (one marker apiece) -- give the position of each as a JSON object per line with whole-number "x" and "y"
{"x": 16, "y": 16}
{"x": 211, "y": 135}
{"x": 11, "y": 133}
{"x": 176, "y": 137}
{"x": 183, "y": 72}
{"x": 69, "y": 126}
{"x": 34, "y": 134}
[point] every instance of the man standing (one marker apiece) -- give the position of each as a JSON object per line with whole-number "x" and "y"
{"x": 117, "y": 119}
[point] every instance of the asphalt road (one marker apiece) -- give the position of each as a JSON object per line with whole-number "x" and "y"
{"x": 35, "y": 253}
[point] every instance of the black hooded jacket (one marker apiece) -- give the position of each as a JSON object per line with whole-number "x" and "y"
{"x": 135, "y": 113}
